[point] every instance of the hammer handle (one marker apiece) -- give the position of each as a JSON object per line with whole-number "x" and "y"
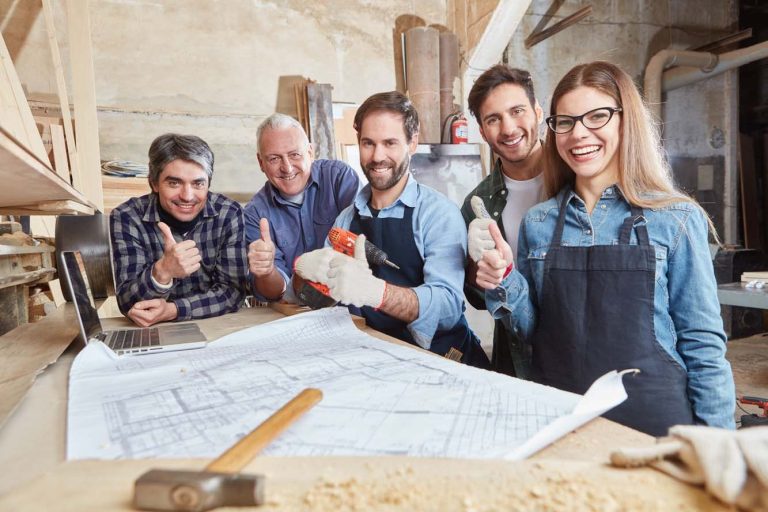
{"x": 241, "y": 453}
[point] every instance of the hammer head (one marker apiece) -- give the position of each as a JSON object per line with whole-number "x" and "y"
{"x": 195, "y": 491}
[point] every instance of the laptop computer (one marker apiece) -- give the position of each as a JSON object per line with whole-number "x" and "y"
{"x": 122, "y": 341}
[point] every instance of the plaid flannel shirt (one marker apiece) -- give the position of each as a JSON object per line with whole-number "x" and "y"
{"x": 218, "y": 287}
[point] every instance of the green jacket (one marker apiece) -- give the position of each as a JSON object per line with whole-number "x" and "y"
{"x": 511, "y": 355}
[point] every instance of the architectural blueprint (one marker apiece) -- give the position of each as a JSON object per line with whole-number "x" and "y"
{"x": 379, "y": 398}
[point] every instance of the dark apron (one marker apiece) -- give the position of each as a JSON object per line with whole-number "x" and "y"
{"x": 395, "y": 237}
{"x": 596, "y": 315}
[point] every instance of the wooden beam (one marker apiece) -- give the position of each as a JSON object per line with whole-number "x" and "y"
{"x": 84, "y": 96}
{"x": 537, "y": 37}
{"x": 61, "y": 88}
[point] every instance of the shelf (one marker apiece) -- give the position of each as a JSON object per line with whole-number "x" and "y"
{"x": 29, "y": 187}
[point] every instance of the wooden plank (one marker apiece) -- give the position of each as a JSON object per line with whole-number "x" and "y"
{"x": 15, "y": 114}
{"x": 29, "y": 348}
{"x": 27, "y": 181}
{"x": 48, "y": 208}
{"x": 33, "y": 276}
{"x": 8, "y": 250}
{"x": 61, "y": 88}
{"x": 84, "y": 96}
{"x": 59, "y": 151}
{"x": 320, "y": 109}
{"x": 748, "y": 181}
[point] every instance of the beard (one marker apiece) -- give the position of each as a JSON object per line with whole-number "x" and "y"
{"x": 383, "y": 182}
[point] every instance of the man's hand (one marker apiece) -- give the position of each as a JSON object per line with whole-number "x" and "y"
{"x": 179, "y": 259}
{"x": 350, "y": 280}
{"x": 152, "y": 311}
{"x": 493, "y": 265}
{"x": 261, "y": 253}
{"x": 478, "y": 234}
{"x": 313, "y": 265}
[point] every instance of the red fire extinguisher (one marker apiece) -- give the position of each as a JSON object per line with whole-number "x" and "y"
{"x": 459, "y": 130}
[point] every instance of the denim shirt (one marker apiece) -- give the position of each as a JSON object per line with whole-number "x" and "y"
{"x": 441, "y": 239}
{"x": 296, "y": 229}
{"x": 686, "y": 317}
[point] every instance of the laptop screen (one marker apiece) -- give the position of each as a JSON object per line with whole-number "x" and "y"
{"x": 77, "y": 279}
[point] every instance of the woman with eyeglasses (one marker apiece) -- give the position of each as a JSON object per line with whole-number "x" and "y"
{"x": 614, "y": 269}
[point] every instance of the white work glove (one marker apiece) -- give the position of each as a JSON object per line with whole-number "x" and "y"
{"x": 313, "y": 265}
{"x": 731, "y": 465}
{"x": 488, "y": 248}
{"x": 478, "y": 235}
{"x": 350, "y": 280}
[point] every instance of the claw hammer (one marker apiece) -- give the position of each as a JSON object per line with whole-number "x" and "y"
{"x": 220, "y": 484}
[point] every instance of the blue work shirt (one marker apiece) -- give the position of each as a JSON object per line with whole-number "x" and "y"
{"x": 686, "y": 317}
{"x": 441, "y": 240}
{"x": 296, "y": 229}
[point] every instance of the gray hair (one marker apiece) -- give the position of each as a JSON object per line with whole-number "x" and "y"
{"x": 278, "y": 121}
{"x": 171, "y": 146}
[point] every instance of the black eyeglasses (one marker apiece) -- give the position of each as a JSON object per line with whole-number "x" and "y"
{"x": 593, "y": 119}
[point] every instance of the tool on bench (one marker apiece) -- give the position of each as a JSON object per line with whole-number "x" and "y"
{"x": 316, "y": 295}
{"x": 219, "y": 484}
{"x": 753, "y": 420}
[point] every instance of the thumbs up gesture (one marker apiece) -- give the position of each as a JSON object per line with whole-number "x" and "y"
{"x": 495, "y": 263}
{"x": 478, "y": 236}
{"x": 350, "y": 280}
{"x": 261, "y": 252}
{"x": 179, "y": 259}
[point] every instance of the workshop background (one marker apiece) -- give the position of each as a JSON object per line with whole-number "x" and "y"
{"x": 217, "y": 68}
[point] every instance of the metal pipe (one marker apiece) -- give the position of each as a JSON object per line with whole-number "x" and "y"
{"x": 691, "y": 67}
{"x": 681, "y": 76}
{"x": 652, "y": 82}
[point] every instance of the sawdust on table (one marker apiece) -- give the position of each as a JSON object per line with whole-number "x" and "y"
{"x": 542, "y": 487}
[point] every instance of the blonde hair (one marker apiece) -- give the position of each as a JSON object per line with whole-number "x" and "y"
{"x": 645, "y": 178}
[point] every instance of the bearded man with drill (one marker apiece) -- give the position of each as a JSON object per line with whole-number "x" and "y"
{"x": 420, "y": 230}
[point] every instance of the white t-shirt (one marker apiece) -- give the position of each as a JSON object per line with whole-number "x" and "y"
{"x": 521, "y": 196}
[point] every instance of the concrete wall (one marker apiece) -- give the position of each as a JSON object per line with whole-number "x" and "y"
{"x": 700, "y": 120}
{"x": 212, "y": 67}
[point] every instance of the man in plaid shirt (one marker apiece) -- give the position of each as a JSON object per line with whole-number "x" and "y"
{"x": 179, "y": 251}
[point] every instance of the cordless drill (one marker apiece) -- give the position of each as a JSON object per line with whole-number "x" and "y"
{"x": 343, "y": 241}
{"x": 753, "y": 420}
{"x": 317, "y": 295}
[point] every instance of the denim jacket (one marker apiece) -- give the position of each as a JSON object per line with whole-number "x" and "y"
{"x": 687, "y": 320}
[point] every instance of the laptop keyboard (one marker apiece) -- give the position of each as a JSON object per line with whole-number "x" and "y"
{"x": 134, "y": 338}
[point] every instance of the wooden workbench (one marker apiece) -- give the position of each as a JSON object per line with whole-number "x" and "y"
{"x": 569, "y": 475}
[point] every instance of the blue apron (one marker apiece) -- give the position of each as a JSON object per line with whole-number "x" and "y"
{"x": 395, "y": 237}
{"x": 596, "y": 315}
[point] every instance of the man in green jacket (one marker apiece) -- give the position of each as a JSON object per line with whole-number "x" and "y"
{"x": 503, "y": 102}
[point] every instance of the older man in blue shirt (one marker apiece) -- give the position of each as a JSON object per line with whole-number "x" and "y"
{"x": 294, "y": 210}
{"x": 421, "y": 231}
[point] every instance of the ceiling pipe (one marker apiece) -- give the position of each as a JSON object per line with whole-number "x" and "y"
{"x": 692, "y": 67}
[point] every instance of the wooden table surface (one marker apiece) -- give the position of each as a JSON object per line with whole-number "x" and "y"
{"x": 569, "y": 475}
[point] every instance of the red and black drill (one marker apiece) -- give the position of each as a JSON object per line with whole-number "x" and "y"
{"x": 753, "y": 420}
{"x": 316, "y": 295}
